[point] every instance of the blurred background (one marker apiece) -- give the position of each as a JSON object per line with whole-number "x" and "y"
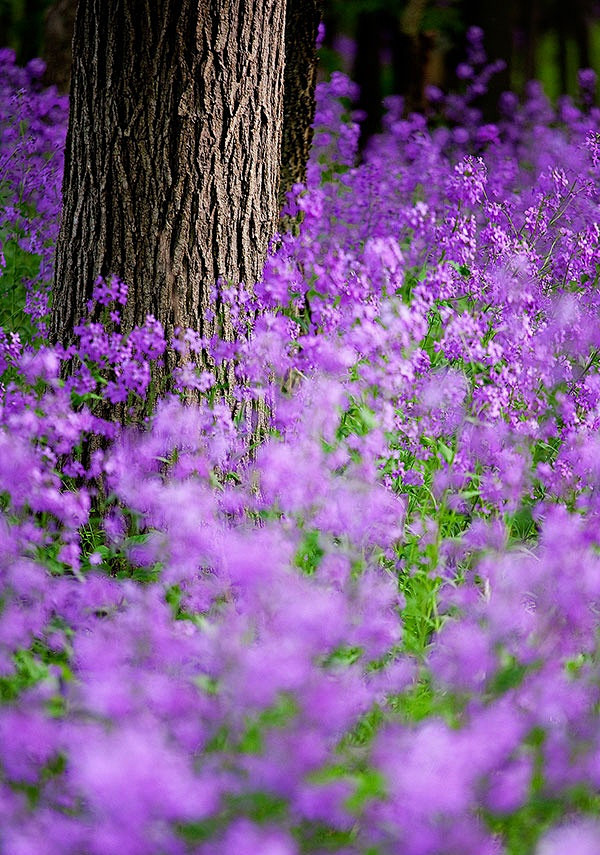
{"x": 387, "y": 46}
{"x": 403, "y": 46}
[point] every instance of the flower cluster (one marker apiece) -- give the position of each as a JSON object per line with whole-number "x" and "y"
{"x": 377, "y": 632}
{"x": 32, "y": 137}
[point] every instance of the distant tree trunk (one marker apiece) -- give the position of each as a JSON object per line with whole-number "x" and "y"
{"x": 562, "y": 16}
{"x": 497, "y": 22}
{"x": 531, "y": 12}
{"x": 6, "y": 21}
{"x": 417, "y": 45}
{"x": 58, "y": 35}
{"x": 301, "y": 30}
{"x": 173, "y": 156}
{"x": 367, "y": 73}
{"x": 30, "y": 30}
{"x": 582, "y": 33}
{"x": 403, "y": 63}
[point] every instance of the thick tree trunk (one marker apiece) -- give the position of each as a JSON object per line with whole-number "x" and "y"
{"x": 173, "y": 156}
{"x": 58, "y": 35}
{"x": 301, "y": 29}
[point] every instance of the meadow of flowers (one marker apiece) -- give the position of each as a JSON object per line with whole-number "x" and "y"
{"x": 376, "y": 633}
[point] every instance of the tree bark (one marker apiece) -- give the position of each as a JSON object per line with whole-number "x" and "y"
{"x": 59, "y": 22}
{"x": 301, "y": 30}
{"x": 172, "y": 158}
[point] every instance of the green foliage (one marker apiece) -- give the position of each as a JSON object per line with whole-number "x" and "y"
{"x": 309, "y": 553}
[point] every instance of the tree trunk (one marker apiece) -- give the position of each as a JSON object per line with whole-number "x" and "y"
{"x": 561, "y": 20}
{"x": 6, "y": 22}
{"x": 532, "y": 13}
{"x": 58, "y": 35}
{"x": 417, "y": 45}
{"x": 582, "y": 33}
{"x": 172, "y": 158}
{"x": 30, "y": 30}
{"x": 497, "y": 19}
{"x": 367, "y": 73}
{"x": 301, "y": 29}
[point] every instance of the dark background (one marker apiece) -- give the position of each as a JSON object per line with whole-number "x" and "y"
{"x": 389, "y": 46}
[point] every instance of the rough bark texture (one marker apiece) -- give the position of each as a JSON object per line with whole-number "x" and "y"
{"x": 172, "y": 156}
{"x": 58, "y": 34}
{"x": 301, "y": 29}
